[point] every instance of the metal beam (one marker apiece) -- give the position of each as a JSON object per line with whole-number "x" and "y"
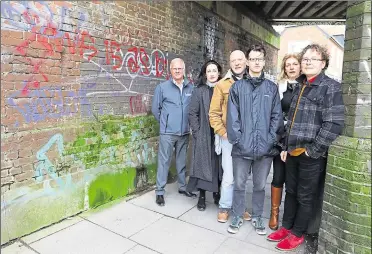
{"x": 308, "y": 8}
{"x": 338, "y": 9}
{"x": 279, "y": 8}
{"x": 298, "y": 8}
{"x": 303, "y": 22}
{"x": 322, "y": 9}
{"x": 285, "y": 7}
{"x": 328, "y": 10}
{"x": 273, "y": 8}
{"x": 340, "y": 13}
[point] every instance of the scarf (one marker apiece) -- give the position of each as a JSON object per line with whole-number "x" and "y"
{"x": 211, "y": 84}
{"x": 256, "y": 81}
{"x": 236, "y": 77}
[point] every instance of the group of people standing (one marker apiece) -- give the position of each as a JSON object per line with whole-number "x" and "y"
{"x": 243, "y": 124}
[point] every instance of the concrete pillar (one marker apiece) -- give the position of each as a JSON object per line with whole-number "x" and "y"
{"x": 346, "y": 219}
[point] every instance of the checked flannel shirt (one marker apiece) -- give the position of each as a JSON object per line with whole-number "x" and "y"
{"x": 318, "y": 109}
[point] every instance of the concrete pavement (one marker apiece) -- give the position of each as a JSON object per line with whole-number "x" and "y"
{"x": 139, "y": 226}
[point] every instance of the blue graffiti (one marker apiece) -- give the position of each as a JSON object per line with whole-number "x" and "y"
{"x": 52, "y": 103}
{"x": 33, "y": 16}
{"x": 47, "y": 165}
{"x": 14, "y": 10}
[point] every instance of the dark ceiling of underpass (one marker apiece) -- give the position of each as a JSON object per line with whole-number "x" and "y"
{"x": 272, "y": 11}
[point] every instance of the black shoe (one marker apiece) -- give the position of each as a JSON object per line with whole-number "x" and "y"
{"x": 160, "y": 200}
{"x": 201, "y": 203}
{"x": 216, "y": 197}
{"x": 187, "y": 194}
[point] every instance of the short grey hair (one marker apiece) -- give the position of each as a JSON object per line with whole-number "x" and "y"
{"x": 183, "y": 63}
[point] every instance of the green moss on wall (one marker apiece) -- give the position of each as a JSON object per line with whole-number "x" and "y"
{"x": 111, "y": 186}
{"x": 151, "y": 172}
{"x": 118, "y": 132}
{"x": 104, "y": 146}
{"x": 24, "y": 217}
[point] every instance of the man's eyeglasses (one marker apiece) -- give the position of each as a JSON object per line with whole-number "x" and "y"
{"x": 260, "y": 60}
{"x": 308, "y": 60}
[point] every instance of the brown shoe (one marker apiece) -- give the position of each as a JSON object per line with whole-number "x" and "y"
{"x": 223, "y": 216}
{"x": 247, "y": 216}
{"x": 276, "y": 198}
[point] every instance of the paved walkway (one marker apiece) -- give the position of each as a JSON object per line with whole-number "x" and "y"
{"x": 139, "y": 226}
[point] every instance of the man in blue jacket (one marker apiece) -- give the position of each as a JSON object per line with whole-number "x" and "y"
{"x": 254, "y": 120}
{"x": 170, "y": 107}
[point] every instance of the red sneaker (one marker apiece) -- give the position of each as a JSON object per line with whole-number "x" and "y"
{"x": 278, "y": 235}
{"x": 290, "y": 243}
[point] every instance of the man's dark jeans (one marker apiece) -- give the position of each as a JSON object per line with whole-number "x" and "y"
{"x": 303, "y": 178}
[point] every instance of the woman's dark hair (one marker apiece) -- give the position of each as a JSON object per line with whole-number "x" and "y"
{"x": 203, "y": 72}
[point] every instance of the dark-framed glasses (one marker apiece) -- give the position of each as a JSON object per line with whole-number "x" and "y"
{"x": 260, "y": 60}
{"x": 310, "y": 60}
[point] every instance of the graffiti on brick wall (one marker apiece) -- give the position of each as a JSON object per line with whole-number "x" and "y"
{"x": 38, "y": 20}
{"x": 139, "y": 104}
{"x": 135, "y": 63}
{"x": 210, "y": 27}
{"x": 46, "y": 165}
{"x": 52, "y": 102}
{"x": 123, "y": 63}
{"x": 12, "y": 11}
{"x": 136, "y": 60}
{"x": 117, "y": 154}
{"x": 214, "y": 37}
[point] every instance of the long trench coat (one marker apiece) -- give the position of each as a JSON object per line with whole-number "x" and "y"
{"x": 202, "y": 145}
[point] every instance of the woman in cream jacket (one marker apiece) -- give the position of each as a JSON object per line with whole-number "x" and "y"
{"x": 290, "y": 70}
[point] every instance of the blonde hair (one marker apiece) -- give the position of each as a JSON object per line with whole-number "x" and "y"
{"x": 283, "y": 75}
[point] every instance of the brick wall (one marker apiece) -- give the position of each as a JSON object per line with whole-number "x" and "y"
{"x": 346, "y": 219}
{"x": 76, "y": 87}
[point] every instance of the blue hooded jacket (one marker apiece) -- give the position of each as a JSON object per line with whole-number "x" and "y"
{"x": 254, "y": 118}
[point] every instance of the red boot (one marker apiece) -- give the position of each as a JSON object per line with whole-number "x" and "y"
{"x": 278, "y": 235}
{"x": 290, "y": 243}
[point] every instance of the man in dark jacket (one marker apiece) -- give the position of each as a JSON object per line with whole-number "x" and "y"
{"x": 315, "y": 119}
{"x": 254, "y": 120}
{"x": 170, "y": 107}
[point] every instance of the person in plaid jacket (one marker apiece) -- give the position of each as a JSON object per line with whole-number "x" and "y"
{"x": 315, "y": 120}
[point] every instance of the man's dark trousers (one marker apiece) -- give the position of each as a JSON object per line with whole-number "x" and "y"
{"x": 303, "y": 178}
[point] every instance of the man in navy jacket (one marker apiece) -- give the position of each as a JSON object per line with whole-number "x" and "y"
{"x": 254, "y": 122}
{"x": 170, "y": 107}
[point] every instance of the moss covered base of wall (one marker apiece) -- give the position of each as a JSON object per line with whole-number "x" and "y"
{"x": 346, "y": 218}
{"x": 28, "y": 209}
{"x": 109, "y": 159}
